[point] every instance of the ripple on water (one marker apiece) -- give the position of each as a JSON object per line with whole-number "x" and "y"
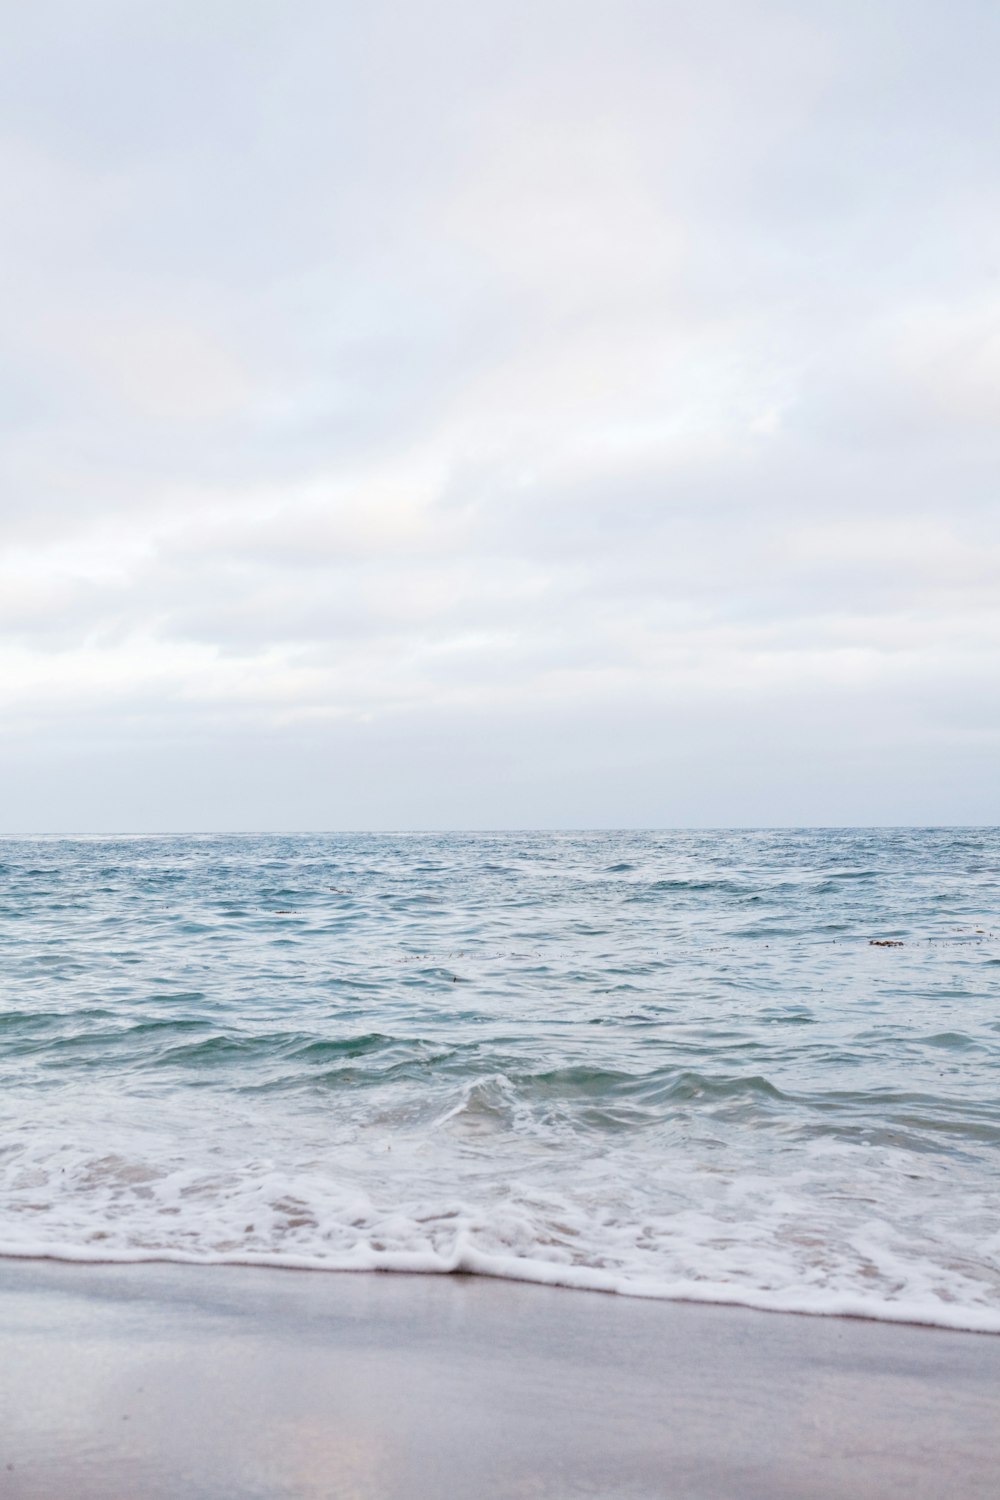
{"x": 672, "y": 1063}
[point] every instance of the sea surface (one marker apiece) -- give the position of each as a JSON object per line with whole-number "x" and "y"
{"x": 674, "y": 1064}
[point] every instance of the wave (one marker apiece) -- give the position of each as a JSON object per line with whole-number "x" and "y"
{"x": 660, "y": 1065}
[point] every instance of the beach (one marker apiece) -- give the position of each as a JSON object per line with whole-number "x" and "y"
{"x": 183, "y": 1383}
{"x": 500, "y": 1166}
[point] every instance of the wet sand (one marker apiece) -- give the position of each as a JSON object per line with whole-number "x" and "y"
{"x": 196, "y": 1383}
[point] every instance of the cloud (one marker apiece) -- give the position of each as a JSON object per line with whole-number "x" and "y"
{"x": 430, "y": 397}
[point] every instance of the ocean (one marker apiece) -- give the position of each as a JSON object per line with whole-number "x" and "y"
{"x": 757, "y": 1067}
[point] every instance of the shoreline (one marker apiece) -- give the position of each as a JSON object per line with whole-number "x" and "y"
{"x": 952, "y": 1317}
{"x": 182, "y": 1381}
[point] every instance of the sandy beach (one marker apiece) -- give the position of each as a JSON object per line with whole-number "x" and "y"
{"x": 175, "y": 1382}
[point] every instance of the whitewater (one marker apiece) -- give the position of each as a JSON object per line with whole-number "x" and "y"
{"x": 757, "y": 1067}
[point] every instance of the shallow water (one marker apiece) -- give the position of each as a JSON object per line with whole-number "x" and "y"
{"x": 662, "y": 1063}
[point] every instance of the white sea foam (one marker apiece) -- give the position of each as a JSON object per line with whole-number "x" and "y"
{"x": 791, "y": 1241}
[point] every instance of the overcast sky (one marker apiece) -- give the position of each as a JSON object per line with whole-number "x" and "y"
{"x": 499, "y": 415}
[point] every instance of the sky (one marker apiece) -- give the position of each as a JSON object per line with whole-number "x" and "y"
{"x": 448, "y": 415}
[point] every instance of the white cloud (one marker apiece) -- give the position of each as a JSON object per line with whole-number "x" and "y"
{"x": 605, "y": 400}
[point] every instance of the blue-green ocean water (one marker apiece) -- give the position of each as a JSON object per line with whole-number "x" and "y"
{"x": 663, "y": 1063}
